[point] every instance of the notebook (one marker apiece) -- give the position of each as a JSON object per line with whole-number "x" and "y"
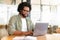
{"x": 25, "y": 38}
{"x": 40, "y": 29}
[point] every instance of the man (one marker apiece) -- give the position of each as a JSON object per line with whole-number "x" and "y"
{"x": 20, "y": 24}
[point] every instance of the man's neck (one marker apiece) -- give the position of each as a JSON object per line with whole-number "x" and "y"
{"x": 22, "y": 16}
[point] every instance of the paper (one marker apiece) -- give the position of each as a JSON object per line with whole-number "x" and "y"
{"x": 25, "y": 38}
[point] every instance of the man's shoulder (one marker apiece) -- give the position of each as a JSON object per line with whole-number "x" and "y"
{"x": 29, "y": 19}
{"x": 14, "y": 16}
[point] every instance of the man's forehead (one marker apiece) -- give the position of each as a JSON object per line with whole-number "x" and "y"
{"x": 26, "y": 8}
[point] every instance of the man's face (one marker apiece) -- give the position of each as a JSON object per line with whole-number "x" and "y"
{"x": 25, "y": 11}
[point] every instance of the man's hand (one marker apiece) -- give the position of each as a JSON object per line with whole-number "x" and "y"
{"x": 28, "y": 33}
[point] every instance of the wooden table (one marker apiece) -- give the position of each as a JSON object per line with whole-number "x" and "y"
{"x": 11, "y": 37}
{"x": 46, "y": 37}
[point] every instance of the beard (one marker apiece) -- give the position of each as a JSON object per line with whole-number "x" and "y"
{"x": 24, "y": 15}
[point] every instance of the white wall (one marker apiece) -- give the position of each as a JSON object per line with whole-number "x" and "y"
{"x": 6, "y": 11}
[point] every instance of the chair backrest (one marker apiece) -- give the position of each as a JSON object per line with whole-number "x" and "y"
{"x": 3, "y": 31}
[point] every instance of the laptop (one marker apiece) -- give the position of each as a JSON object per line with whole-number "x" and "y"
{"x": 40, "y": 29}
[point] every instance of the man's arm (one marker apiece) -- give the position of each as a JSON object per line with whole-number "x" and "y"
{"x": 11, "y": 26}
{"x": 23, "y": 33}
{"x": 18, "y": 33}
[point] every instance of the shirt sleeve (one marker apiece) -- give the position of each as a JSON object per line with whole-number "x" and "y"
{"x": 32, "y": 25}
{"x": 11, "y": 25}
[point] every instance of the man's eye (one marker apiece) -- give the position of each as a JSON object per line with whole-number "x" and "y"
{"x": 26, "y": 10}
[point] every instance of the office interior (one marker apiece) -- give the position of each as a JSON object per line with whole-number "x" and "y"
{"x": 46, "y": 11}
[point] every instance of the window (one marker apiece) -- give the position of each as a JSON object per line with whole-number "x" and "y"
{"x": 35, "y": 12}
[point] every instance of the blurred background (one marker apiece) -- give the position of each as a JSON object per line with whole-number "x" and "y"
{"x": 42, "y": 11}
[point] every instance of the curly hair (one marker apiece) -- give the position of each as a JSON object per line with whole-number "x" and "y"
{"x": 22, "y": 5}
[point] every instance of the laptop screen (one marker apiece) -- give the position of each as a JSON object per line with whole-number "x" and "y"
{"x": 40, "y": 29}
